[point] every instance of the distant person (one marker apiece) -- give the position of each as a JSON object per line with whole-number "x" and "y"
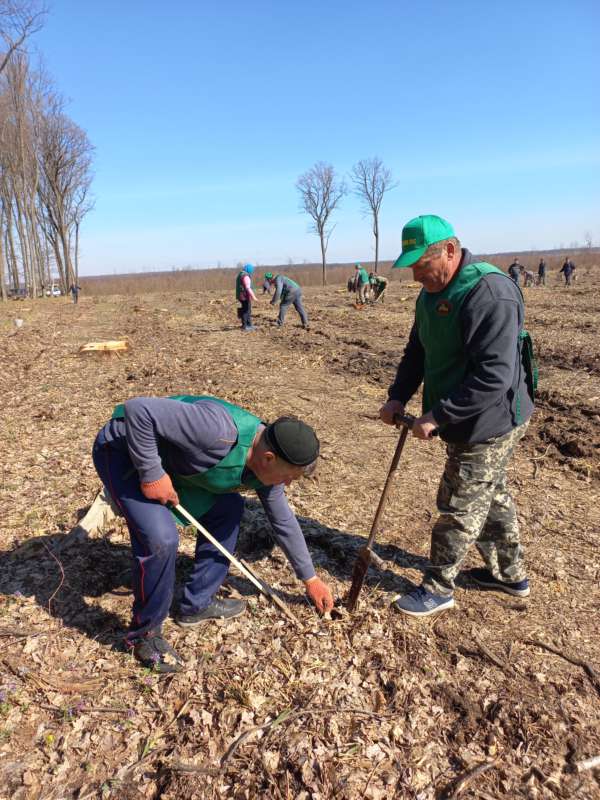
{"x": 567, "y": 271}
{"x": 378, "y": 286}
{"x": 287, "y": 293}
{"x": 361, "y": 283}
{"x": 514, "y": 271}
{"x": 244, "y": 295}
{"x": 528, "y": 278}
{"x": 542, "y": 273}
{"x": 75, "y": 289}
{"x": 267, "y": 285}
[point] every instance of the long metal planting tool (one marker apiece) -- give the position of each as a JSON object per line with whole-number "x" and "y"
{"x": 240, "y": 566}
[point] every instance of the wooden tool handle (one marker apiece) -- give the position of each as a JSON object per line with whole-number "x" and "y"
{"x": 408, "y": 420}
{"x": 388, "y": 481}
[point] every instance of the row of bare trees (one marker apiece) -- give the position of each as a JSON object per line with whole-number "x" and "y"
{"x": 45, "y": 167}
{"x": 321, "y": 191}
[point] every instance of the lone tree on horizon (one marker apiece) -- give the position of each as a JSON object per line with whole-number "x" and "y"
{"x": 320, "y": 193}
{"x": 371, "y": 180}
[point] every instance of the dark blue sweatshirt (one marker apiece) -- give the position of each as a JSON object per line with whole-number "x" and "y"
{"x": 484, "y": 405}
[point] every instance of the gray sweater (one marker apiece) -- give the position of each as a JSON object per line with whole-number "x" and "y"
{"x": 485, "y": 404}
{"x": 284, "y": 290}
{"x": 193, "y": 437}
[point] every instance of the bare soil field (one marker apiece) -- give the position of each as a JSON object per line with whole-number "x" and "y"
{"x": 498, "y": 698}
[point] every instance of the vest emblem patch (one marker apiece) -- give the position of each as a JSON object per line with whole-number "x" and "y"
{"x": 443, "y": 308}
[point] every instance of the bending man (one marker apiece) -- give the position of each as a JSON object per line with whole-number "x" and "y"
{"x": 287, "y": 293}
{"x": 199, "y": 451}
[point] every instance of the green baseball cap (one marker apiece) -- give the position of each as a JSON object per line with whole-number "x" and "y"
{"x": 268, "y": 275}
{"x": 418, "y": 235}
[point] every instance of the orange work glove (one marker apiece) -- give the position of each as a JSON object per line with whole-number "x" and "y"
{"x": 320, "y": 594}
{"x": 161, "y": 490}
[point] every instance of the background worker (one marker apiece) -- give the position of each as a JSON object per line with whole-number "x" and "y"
{"x": 542, "y": 273}
{"x": 528, "y": 277}
{"x": 199, "y": 451}
{"x": 245, "y": 295}
{"x": 267, "y": 286}
{"x": 515, "y": 271}
{"x": 75, "y": 289}
{"x": 465, "y": 347}
{"x": 287, "y": 293}
{"x": 567, "y": 270}
{"x": 361, "y": 283}
{"x": 378, "y": 286}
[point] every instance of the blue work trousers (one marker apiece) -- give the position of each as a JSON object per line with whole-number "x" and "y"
{"x": 154, "y": 541}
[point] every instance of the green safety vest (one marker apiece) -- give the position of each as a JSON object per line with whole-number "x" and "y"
{"x": 363, "y": 275}
{"x": 438, "y": 326}
{"x": 238, "y": 284}
{"x": 288, "y": 287}
{"x": 197, "y": 492}
{"x": 290, "y": 283}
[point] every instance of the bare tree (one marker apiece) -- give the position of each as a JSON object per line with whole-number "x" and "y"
{"x": 19, "y": 19}
{"x": 320, "y": 193}
{"x": 371, "y": 180}
{"x": 65, "y": 166}
{"x": 587, "y": 238}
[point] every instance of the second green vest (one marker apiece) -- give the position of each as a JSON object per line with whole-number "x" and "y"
{"x": 438, "y": 326}
{"x": 197, "y": 493}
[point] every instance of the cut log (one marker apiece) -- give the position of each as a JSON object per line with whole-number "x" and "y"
{"x": 104, "y": 347}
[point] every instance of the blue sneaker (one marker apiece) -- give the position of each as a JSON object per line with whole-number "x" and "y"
{"x": 483, "y": 577}
{"x": 421, "y": 603}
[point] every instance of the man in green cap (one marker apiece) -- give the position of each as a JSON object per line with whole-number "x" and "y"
{"x": 200, "y": 452}
{"x": 361, "y": 283}
{"x": 287, "y": 293}
{"x": 267, "y": 285}
{"x": 467, "y": 347}
{"x": 378, "y": 286}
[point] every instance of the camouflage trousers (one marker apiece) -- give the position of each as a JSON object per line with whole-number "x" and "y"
{"x": 475, "y": 507}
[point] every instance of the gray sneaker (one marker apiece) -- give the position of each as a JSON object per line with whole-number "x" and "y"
{"x": 219, "y": 609}
{"x": 421, "y": 603}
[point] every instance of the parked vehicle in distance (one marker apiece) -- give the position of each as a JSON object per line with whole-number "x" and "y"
{"x": 54, "y": 291}
{"x": 17, "y": 294}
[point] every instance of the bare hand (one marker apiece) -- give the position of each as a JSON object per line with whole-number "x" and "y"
{"x": 161, "y": 490}
{"x": 388, "y": 411}
{"x": 320, "y": 594}
{"x": 424, "y": 426}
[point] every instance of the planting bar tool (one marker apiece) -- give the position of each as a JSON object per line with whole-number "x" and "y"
{"x": 241, "y": 566}
{"x": 366, "y": 554}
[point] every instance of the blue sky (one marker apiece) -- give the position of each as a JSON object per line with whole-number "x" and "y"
{"x": 204, "y": 114}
